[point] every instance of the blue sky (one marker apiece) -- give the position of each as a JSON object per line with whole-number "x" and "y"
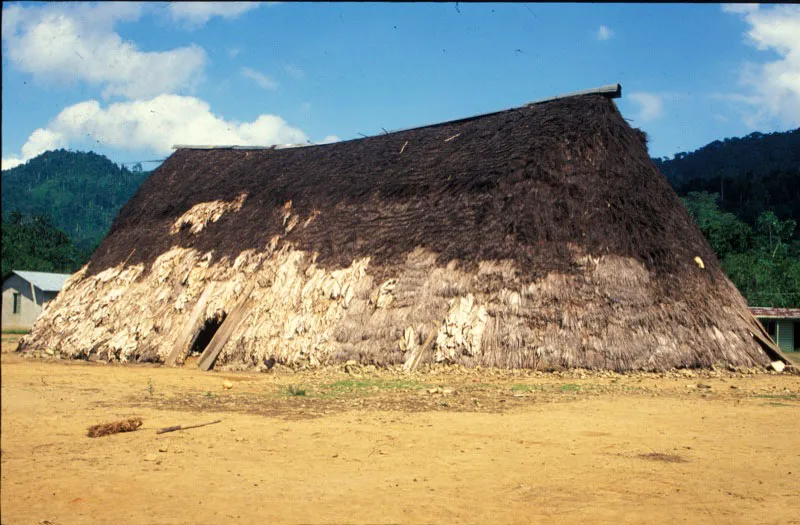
{"x": 129, "y": 80}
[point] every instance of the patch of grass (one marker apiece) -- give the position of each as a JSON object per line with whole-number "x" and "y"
{"x": 150, "y": 387}
{"x": 401, "y": 384}
{"x": 570, "y": 387}
{"x": 369, "y": 384}
{"x": 293, "y": 390}
{"x": 16, "y": 331}
{"x": 776, "y": 396}
{"x": 348, "y": 384}
{"x": 210, "y": 395}
{"x": 525, "y": 388}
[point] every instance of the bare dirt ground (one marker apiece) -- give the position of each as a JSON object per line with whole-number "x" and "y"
{"x": 454, "y": 446}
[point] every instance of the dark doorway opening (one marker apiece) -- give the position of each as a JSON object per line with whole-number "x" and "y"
{"x": 771, "y": 327}
{"x": 205, "y": 335}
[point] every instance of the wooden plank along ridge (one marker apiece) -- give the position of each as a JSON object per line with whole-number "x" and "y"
{"x": 226, "y": 329}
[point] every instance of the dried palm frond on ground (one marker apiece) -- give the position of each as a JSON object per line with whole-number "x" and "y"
{"x": 123, "y": 425}
{"x": 660, "y": 456}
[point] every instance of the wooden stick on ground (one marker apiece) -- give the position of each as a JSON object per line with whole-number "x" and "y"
{"x": 181, "y": 427}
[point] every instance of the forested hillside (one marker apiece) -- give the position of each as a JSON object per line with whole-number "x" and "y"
{"x": 33, "y": 243}
{"x": 744, "y": 193}
{"x": 752, "y": 174}
{"x": 80, "y": 191}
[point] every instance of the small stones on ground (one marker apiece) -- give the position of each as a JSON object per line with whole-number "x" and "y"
{"x": 163, "y": 448}
{"x": 353, "y": 368}
{"x": 440, "y": 390}
{"x": 227, "y": 385}
{"x": 703, "y": 385}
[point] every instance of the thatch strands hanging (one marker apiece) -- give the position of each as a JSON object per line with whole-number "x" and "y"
{"x": 538, "y": 237}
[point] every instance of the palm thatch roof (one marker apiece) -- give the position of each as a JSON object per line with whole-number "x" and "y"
{"x": 541, "y": 236}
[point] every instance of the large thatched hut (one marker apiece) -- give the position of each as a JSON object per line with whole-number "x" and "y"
{"x": 541, "y": 236}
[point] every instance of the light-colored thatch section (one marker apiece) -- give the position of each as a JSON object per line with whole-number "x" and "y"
{"x": 305, "y": 314}
{"x": 541, "y": 237}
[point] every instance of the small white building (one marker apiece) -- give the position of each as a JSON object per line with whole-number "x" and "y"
{"x": 25, "y": 294}
{"x": 782, "y": 325}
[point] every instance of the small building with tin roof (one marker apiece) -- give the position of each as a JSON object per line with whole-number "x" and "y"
{"x": 25, "y": 294}
{"x": 782, "y": 324}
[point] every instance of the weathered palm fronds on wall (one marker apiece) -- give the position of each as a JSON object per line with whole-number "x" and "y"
{"x": 541, "y": 237}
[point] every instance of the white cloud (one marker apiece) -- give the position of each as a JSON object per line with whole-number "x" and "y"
{"x": 261, "y": 79}
{"x": 773, "y": 87}
{"x": 294, "y": 71}
{"x": 330, "y": 139}
{"x": 68, "y": 43}
{"x": 40, "y": 141}
{"x": 154, "y": 125}
{"x": 739, "y": 8}
{"x": 233, "y": 52}
{"x": 651, "y": 105}
{"x": 604, "y": 33}
{"x": 196, "y": 14}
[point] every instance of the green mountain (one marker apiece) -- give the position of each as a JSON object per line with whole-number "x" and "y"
{"x": 744, "y": 194}
{"x": 751, "y": 174}
{"x": 80, "y": 191}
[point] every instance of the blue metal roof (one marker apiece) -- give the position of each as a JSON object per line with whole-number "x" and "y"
{"x": 47, "y": 282}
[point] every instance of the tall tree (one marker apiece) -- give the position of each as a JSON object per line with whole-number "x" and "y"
{"x": 763, "y": 262}
{"x": 34, "y": 243}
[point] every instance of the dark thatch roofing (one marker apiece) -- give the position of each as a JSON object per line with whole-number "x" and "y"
{"x": 517, "y": 184}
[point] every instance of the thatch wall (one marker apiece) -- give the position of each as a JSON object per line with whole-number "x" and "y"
{"x": 540, "y": 237}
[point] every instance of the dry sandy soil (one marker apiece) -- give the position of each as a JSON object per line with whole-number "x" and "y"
{"x": 335, "y": 447}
